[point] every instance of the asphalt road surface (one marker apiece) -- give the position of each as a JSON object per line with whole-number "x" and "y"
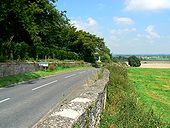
{"x": 23, "y": 105}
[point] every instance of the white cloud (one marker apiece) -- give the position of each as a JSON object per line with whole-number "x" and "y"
{"x": 78, "y": 24}
{"x": 142, "y": 5}
{"x": 89, "y": 25}
{"x": 83, "y": 25}
{"x": 152, "y": 34}
{"x": 91, "y": 22}
{"x": 118, "y": 34}
{"x": 122, "y": 31}
{"x": 123, "y": 20}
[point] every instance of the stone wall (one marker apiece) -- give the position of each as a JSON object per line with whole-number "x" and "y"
{"x": 7, "y": 69}
{"x": 72, "y": 64}
{"x": 82, "y": 112}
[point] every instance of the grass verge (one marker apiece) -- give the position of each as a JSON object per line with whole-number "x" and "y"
{"x": 9, "y": 80}
{"x": 123, "y": 107}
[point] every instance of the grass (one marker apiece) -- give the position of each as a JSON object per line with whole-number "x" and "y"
{"x": 123, "y": 107}
{"x": 9, "y": 80}
{"x": 153, "y": 88}
{"x": 77, "y": 125}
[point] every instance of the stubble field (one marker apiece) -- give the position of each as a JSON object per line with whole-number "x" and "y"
{"x": 155, "y": 64}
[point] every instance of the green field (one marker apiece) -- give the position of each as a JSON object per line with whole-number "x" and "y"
{"x": 153, "y": 88}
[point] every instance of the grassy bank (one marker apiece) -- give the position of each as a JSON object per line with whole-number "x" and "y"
{"x": 153, "y": 87}
{"x": 8, "y": 80}
{"x": 123, "y": 107}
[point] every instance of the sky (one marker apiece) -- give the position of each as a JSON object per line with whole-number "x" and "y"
{"x": 127, "y": 26}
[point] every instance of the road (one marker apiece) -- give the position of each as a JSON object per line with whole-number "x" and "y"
{"x": 23, "y": 105}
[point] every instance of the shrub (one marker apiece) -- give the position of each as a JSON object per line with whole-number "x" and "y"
{"x": 133, "y": 61}
{"x": 3, "y": 59}
{"x": 52, "y": 67}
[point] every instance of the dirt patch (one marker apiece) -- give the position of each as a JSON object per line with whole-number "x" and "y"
{"x": 155, "y": 64}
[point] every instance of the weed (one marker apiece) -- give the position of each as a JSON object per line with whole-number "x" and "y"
{"x": 76, "y": 125}
{"x": 123, "y": 107}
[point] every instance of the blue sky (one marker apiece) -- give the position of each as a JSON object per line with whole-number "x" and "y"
{"x": 128, "y": 26}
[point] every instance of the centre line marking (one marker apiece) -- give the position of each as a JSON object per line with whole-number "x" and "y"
{"x": 4, "y": 100}
{"x": 44, "y": 85}
{"x": 69, "y": 76}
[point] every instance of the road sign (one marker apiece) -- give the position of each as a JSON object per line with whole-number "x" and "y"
{"x": 43, "y": 64}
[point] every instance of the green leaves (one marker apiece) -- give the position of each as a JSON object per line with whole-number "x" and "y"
{"x": 37, "y": 28}
{"x": 133, "y": 61}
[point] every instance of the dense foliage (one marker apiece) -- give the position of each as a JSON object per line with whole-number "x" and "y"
{"x": 133, "y": 61}
{"x": 36, "y": 29}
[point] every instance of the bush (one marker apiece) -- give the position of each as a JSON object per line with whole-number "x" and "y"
{"x": 3, "y": 59}
{"x": 133, "y": 61}
{"x": 52, "y": 67}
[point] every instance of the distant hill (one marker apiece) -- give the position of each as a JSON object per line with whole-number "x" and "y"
{"x": 145, "y": 57}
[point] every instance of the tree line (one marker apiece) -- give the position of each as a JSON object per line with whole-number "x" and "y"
{"x": 37, "y": 29}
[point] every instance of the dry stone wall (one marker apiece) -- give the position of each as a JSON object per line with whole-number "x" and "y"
{"x": 7, "y": 69}
{"x": 83, "y": 111}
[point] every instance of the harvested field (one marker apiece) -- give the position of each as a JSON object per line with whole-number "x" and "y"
{"x": 155, "y": 64}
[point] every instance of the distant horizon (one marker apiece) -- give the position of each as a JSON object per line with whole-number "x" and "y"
{"x": 144, "y": 54}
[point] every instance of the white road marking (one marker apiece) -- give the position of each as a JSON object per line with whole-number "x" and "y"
{"x": 69, "y": 76}
{"x": 82, "y": 72}
{"x": 44, "y": 85}
{"x": 4, "y": 100}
